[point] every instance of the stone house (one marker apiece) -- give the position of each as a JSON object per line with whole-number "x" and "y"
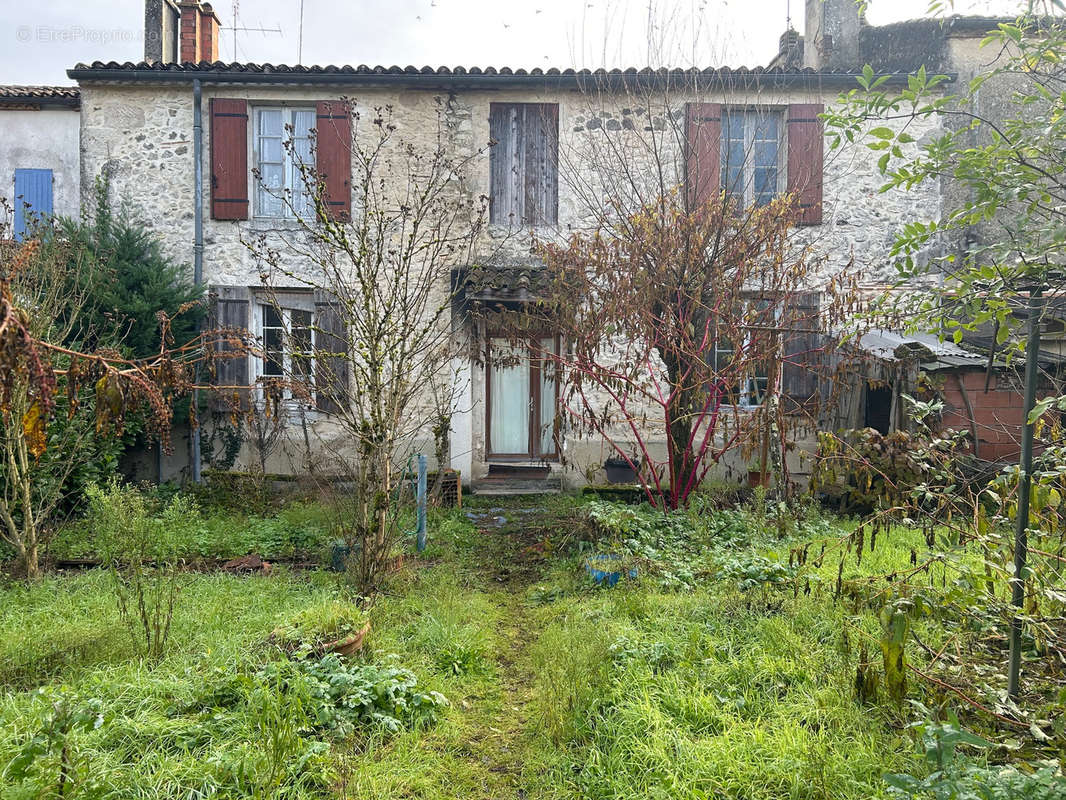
{"x": 195, "y": 148}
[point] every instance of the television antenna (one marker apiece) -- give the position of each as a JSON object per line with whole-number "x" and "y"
{"x": 243, "y": 29}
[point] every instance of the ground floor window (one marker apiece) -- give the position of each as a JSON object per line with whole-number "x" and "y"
{"x": 286, "y": 333}
{"x": 522, "y": 395}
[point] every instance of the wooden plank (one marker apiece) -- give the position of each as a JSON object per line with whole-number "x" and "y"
{"x": 229, "y": 159}
{"x": 805, "y": 159}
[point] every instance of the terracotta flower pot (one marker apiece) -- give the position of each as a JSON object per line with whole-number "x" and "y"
{"x": 350, "y": 645}
{"x": 758, "y": 478}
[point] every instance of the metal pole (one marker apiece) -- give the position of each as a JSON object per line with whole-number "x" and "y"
{"x": 197, "y": 251}
{"x": 421, "y": 503}
{"x": 1032, "y": 354}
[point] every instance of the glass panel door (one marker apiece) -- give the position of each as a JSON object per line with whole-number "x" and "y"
{"x": 510, "y": 401}
{"x": 546, "y": 439}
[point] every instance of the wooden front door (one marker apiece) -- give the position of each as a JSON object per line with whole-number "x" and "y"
{"x": 521, "y": 396}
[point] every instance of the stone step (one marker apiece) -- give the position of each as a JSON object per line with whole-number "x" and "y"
{"x": 499, "y": 486}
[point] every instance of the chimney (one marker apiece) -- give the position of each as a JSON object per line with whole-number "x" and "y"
{"x": 831, "y": 38}
{"x": 209, "y": 26}
{"x": 789, "y": 50}
{"x": 161, "y": 22}
{"x": 199, "y": 32}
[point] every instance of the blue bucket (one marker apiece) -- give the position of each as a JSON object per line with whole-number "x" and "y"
{"x": 607, "y": 569}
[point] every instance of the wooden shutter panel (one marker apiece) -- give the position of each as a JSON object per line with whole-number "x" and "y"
{"x": 331, "y": 355}
{"x": 541, "y": 158}
{"x": 801, "y": 348}
{"x": 229, "y": 159}
{"x": 805, "y": 160}
{"x": 230, "y": 310}
{"x": 507, "y": 203}
{"x": 703, "y": 153}
{"x": 333, "y": 142}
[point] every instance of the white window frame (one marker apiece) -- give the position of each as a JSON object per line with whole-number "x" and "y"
{"x": 750, "y": 114}
{"x": 748, "y": 386}
{"x": 290, "y": 168}
{"x": 285, "y": 303}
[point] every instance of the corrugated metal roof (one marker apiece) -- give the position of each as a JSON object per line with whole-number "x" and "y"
{"x": 931, "y": 351}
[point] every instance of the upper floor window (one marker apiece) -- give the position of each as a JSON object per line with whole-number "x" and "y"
{"x": 257, "y": 152}
{"x": 524, "y": 163}
{"x": 754, "y": 154}
{"x": 750, "y": 151}
{"x": 282, "y": 143}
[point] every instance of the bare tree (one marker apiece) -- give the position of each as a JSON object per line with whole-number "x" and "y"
{"x": 381, "y": 335}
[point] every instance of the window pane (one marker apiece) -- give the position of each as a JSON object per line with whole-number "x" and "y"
{"x": 270, "y": 122}
{"x": 273, "y": 355}
{"x": 765, "y": 153}
{"x": 270, "y": 150}
{"x": 764, "y": 126}
{"x": 301, "y": 343}
{"x": 509, "y": 398}
{"x": 733, "y": 125}
{"x": 272, "y": 176}
{"x": 547, "y": 399}
{"x": 765, "y": 184}
{"x": 271, "y": 318}
{"x": 269, "y": 188}
{"x": 302, "y": 123}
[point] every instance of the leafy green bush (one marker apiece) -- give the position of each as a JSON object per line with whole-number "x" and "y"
{"x": 337, "y": 698}
{"x": 49, "y": 758}
{"x": 752, "y": 571}
{"x": 296, "y": 532}
{"x": 952, "y": 777}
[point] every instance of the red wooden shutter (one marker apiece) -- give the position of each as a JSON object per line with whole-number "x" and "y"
{"x": 229, "y": 159}
{"x": 333, "y": 136}
{"x": 805, "y": 160}
{"x": 703, "y": 144}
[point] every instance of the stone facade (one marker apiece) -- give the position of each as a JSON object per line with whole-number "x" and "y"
{"x": 140, "y": 134}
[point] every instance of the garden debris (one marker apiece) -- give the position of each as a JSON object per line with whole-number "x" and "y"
{"x": 253, "y": 562}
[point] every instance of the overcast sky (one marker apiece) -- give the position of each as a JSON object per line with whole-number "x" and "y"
{"x": 48, "y": 36}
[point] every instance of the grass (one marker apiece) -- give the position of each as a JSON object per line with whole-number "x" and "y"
{"x": 709, "y": 676}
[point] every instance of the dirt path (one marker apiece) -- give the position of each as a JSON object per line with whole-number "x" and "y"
{"x": 509, "y": 562}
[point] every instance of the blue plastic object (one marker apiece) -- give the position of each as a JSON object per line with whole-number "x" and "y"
{"x": 607, "y": 569}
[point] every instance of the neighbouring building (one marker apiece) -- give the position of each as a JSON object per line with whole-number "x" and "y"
{"x": 39, "y": 154}
{"x": 137, "y": 126}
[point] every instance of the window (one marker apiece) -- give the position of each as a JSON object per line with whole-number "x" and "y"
{"x": 523, "y": 163}
{"x": 750, "y": 390}
{"x": 751, "y": 146}
{"x": 287, "y": 336}
{"x": 282, "y": 142}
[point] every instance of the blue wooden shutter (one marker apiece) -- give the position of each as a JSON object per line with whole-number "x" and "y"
{"x": 33, "y": 198}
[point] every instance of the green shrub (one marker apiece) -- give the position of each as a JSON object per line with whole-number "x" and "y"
{"x": 49, "y": 758}
{"x": 142, "y": 558}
